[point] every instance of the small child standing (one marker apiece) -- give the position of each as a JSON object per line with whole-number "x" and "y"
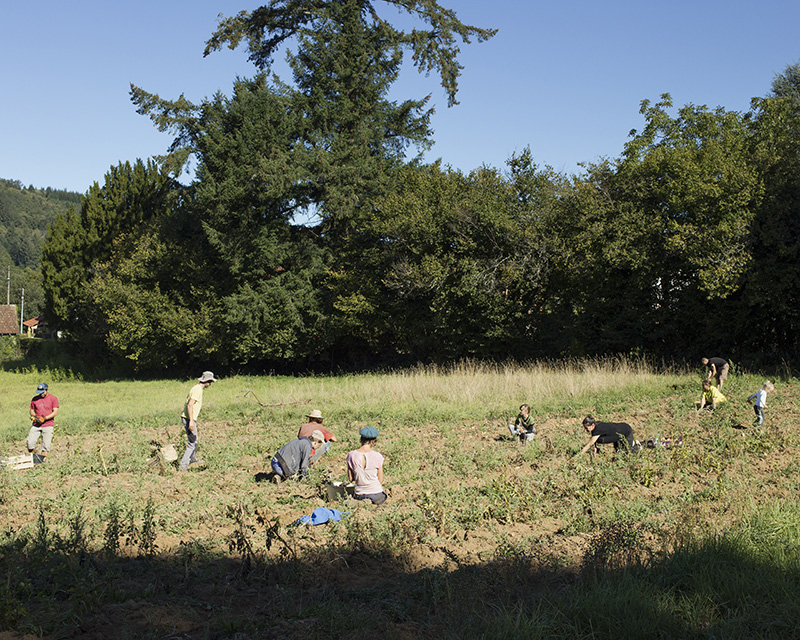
{"x": 761, "y": 401}
{"x": 523, "y": 425}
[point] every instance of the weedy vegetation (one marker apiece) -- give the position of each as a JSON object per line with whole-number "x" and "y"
{"x": 481, "y": 537}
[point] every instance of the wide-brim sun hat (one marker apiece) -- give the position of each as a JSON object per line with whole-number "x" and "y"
{"x": 207, "y": 377}
{"x": 316, "y": 413}
{"x": 317, "y": 435}
{"x": 369, "y": 432}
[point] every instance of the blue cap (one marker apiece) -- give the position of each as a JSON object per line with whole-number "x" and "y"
{"x": 369, "y": 432}
{"x": 42, "y": 387}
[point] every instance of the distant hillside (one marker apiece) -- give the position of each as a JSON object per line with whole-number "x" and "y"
{"x": 25, "y": 213}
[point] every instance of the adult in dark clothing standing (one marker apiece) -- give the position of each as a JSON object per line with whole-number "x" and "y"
{"x": 607, "y": 433}
{"x": 717, "y": 369}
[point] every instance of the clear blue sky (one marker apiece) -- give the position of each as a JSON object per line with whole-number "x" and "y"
{"x": 565, "y": 78}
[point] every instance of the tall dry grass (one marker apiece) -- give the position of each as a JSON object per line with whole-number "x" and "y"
{"x": 471, "y": 389}
{"x": 466, "y": 390}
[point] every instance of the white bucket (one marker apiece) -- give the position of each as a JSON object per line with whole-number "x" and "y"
{"x": 336, "y": 491}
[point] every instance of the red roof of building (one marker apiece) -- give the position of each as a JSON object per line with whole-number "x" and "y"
{"x": 32, "y": 322}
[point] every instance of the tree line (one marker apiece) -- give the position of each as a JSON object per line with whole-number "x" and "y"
{"x": 308, "y": 238}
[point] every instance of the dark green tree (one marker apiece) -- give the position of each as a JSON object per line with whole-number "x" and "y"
{"x": 456, "y": 268}
{"x": 324, "y": 147}
{"x": 79, "y": 241}
{"x": 768, "y": 312}
{"x": 150, "y": 298}
{"x": 348, "y": 136}
{"x": 658, "y": 241}
{"x": 247, "y": 191}
{"x": 787, "y": 85}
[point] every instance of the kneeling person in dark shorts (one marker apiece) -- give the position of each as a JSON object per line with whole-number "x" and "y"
{"x": 607, "y": 433}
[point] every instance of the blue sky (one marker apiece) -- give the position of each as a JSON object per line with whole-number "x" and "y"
{"x": 565, "y": 78}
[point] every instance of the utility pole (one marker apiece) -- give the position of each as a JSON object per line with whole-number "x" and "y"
{"x": 8, "y": 290}
{"x": 21, "y": 310}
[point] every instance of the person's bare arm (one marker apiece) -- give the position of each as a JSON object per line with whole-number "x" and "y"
{"x": 592, "y": 441}
{"x": 190, "y": 414}
{"x": 702, "y": 403}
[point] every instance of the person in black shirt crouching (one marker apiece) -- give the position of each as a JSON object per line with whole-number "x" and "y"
{"x": 608, "y": 433}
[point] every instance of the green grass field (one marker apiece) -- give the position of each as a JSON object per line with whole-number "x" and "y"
{"x": 480, "y": 537}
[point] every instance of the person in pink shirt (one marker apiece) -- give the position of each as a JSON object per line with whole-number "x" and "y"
{"x": 365, "y": 468}
{"x": 315, "y": 424}
{"x": 43, "y": 410}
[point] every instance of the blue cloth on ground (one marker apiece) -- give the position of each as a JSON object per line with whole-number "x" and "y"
{"x": 321, "y": 515}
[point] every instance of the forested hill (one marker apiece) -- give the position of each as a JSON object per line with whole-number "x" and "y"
{"x": 25, "y": 213}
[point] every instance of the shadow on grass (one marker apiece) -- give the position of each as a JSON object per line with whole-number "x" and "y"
{"x": 726, "y": 587}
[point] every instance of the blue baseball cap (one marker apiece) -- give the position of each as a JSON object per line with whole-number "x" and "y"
{"x": 42, "y": 387}
{"x": 369, "y": 432}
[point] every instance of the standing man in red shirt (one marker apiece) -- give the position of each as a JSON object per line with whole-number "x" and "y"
{"x": 44, "y": 408}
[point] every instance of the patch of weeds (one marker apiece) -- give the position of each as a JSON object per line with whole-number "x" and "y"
{"x": 112, "y": 514}
{"x": 715, "y": 492}
{"x": 192, "y": 553}
{"x": 121, "y": 527}
{"x": 644, "y": 474}
{"x": 105, "y": 464}
{"x": 534, "y": 451}
{"x": 387, "y": 532}
{"x": 275, "y": 534}
{"x": 488, "y": 459}
{"x": 9, "y": 486}
{"x": 78, "y": 537}
{"x": 708, "y": 460}
{"x": 42, "y": 536}
{"x": 638, "y": 511}
{"x": 774, "y": 526}
{"x": 615, "y": 547}
{"x": 791, "y": 470}
{"x": 435, "y": 508}
{"x": 760, "y": 442}
{"x": 506, "y": 550}
{"x": 145, "y": 535}
{"x": 240, "y": 539}
{"x": 506, "y": 500}
{"x": 472, "y": 513}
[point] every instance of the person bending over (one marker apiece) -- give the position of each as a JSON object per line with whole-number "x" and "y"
{"x": 293, "y": 458}
{"x": 710, "y": 397}
{"x": 607, "y": 433}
